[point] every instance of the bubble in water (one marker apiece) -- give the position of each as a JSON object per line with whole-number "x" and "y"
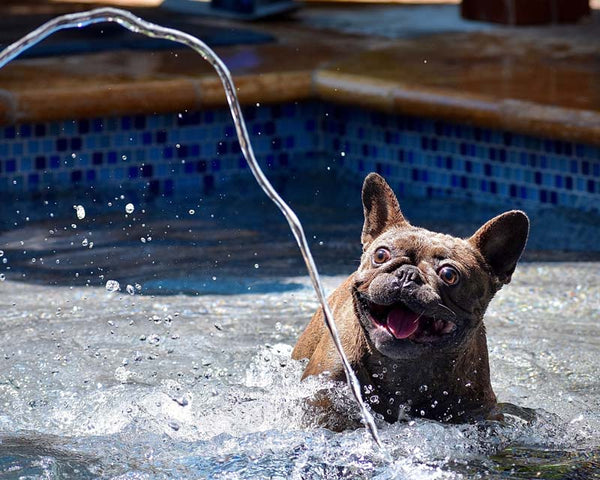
{"x": 113, "y": 286}
{"x": 130, "y": 289}
{"x": 84, "y": 242}
{"x": 138, "y": 286}
{"x": 129, "y": 208}
{"x": 2, "y": 277}
{"x": 80, "y": 211}
{"x": 256, "y": 265}
{"x": 1, "y": 253}
{"x": 192, "y": 211}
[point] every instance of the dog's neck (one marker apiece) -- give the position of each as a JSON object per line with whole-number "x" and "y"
{"x": 454, "y": 388}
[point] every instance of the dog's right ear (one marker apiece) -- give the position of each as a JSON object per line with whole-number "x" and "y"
{"x": 381, "y": 208}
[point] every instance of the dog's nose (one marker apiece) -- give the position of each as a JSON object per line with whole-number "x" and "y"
{"x": 409, "y": 275}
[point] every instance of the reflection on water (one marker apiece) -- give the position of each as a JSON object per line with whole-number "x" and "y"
{"x": 159, "y": 382}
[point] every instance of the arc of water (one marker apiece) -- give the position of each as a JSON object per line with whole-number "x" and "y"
{"x": 135, "y": 24}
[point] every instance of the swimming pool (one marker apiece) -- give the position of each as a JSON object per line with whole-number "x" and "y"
{"x": 185, "y": 371}
{"x": 149, "y": 336}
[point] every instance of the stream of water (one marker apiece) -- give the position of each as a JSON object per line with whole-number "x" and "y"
{"x": 136, "y": 24}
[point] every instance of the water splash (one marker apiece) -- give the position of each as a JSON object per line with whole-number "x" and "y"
{"x": 137, "y": 25}
{"x": 80, "y": 211}
{"x": 112, "y": 286}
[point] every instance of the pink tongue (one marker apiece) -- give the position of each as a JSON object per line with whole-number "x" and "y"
{"x": 402, "y": 323}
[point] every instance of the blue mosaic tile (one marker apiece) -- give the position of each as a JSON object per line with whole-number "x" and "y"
{"x": 163, "y": 154}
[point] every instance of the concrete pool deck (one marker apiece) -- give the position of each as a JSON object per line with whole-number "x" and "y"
{"x": 536, "y": 80}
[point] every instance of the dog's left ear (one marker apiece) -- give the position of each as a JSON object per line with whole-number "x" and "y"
{"x": 381, "y": 208}
{"x": 501, "y": 241}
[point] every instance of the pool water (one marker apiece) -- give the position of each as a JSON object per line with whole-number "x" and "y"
{"x": 184, "y": 370}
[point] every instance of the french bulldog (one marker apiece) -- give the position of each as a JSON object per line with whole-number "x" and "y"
{"x": 410, "y": 318}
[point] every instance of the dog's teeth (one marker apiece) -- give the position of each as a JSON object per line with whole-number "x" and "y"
{"x": 449, "y": 327}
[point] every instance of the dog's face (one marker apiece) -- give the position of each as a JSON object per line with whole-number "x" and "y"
{"x": 420, "y": 293}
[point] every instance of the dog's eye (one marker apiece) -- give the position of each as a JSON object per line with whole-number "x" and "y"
{"x": 449, "y": 275}
{"x": 382, "y": 255}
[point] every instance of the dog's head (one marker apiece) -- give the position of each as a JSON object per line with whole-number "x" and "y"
{"x": 424, "y": 293}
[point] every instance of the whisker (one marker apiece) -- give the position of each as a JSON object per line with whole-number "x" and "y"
{"x": 446, "y": 308}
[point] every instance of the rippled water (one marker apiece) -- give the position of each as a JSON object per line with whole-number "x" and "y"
{"x": 166, "y": 383}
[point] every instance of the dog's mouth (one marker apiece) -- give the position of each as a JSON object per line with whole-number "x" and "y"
{"x": 403, "y": 323}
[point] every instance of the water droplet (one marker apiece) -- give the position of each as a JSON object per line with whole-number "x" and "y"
{"x": 84, "y": 242}
{"x": 423, "y": 388}
{"x": 143, "y": 240}
{"x": 130, "y": 289}
{"x": 129, "y": 208}
{"x": 113, "y": 286}
{"x": 256, "y": 265}
{"x": 80, "y": 211}
{"x": 192, "y": 211}
{"x": 1, "y": 253}
{"x": 2, "y": 277}
{"x": 138, "y": 286}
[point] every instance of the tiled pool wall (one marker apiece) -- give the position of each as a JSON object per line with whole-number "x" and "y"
{"x": 424, "y": 157}
{"x": 166, "y": 155}
{"x": 150, "y": 155}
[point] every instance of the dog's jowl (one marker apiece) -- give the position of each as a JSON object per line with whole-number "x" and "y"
{"x": 411, "y": 317}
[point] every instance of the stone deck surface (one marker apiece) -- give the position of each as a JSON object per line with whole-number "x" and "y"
{"x": 537, "y": 80}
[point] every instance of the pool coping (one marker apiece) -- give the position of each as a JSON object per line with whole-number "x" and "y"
{"x": 147, "y": 97}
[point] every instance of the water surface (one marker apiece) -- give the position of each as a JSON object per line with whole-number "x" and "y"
{"x": 190, "y": 376}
